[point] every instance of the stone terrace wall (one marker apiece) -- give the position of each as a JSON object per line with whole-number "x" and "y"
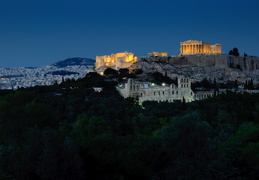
{"x": 223, "y": 68}
{"x": 242, "y": 63}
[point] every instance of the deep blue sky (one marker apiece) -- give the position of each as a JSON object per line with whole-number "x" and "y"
{"x": 41, "y": 32}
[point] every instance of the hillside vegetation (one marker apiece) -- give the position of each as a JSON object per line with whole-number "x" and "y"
{"x": 68, "y": 131}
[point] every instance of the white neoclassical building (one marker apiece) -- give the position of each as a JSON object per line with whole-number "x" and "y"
{"x": 147, "y": 91}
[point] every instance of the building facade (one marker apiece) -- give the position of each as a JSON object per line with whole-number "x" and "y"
{"x": 199, "y": 47}
{"x": 156, "y": 54}
{"x": 115, "y": 61}
{"x": 147, "y": 91}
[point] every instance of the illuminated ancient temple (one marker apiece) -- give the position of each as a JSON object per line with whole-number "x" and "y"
{"x": 156, "y": 54}
{"x": 199, "y": 47}
{"x": 115, "y": 61}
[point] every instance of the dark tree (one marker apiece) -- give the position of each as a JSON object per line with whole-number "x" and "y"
{"x": 124, "y": 71}
{"x": 110, "y": 71}
{"x": 183, "y": 99}
{"x": 160, "y": 78}
{"x": 206, "y": 84}
{"x": 215, "y": 87}
{"x": 246, "y": 85}
{"x": 234, "y": 52}
{"x": 250, "y": 84}
{"x": 138, "y": 71}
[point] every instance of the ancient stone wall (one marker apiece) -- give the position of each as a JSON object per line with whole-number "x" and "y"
{"x": 243, "y": 63}
{"x": 223, "y": 68}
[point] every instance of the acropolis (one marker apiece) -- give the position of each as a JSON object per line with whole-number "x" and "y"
{"x": 198, "y": 47}
{"x": 126, "y": 59}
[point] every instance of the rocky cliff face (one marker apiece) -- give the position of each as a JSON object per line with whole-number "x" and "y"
{"x": 223, "y": 68}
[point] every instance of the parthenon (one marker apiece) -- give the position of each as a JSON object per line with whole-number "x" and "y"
{"x": 199, "y": 47}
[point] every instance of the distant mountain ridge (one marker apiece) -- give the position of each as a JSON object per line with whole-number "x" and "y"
{"x": 74, "y": 61}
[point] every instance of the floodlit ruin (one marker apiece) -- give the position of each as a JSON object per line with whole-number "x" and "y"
{"x": 199, "y": 47}
{"x": 156, "y": 54}
{"x": 115, "y": 61}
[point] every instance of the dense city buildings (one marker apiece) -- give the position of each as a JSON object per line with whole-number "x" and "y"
{"x": 17, "y": 77}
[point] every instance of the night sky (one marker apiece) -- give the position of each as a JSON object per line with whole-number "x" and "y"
{"x": 41, "y": 32}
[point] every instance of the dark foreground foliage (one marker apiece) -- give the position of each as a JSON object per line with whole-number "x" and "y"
{"x": 68, "y": 131}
